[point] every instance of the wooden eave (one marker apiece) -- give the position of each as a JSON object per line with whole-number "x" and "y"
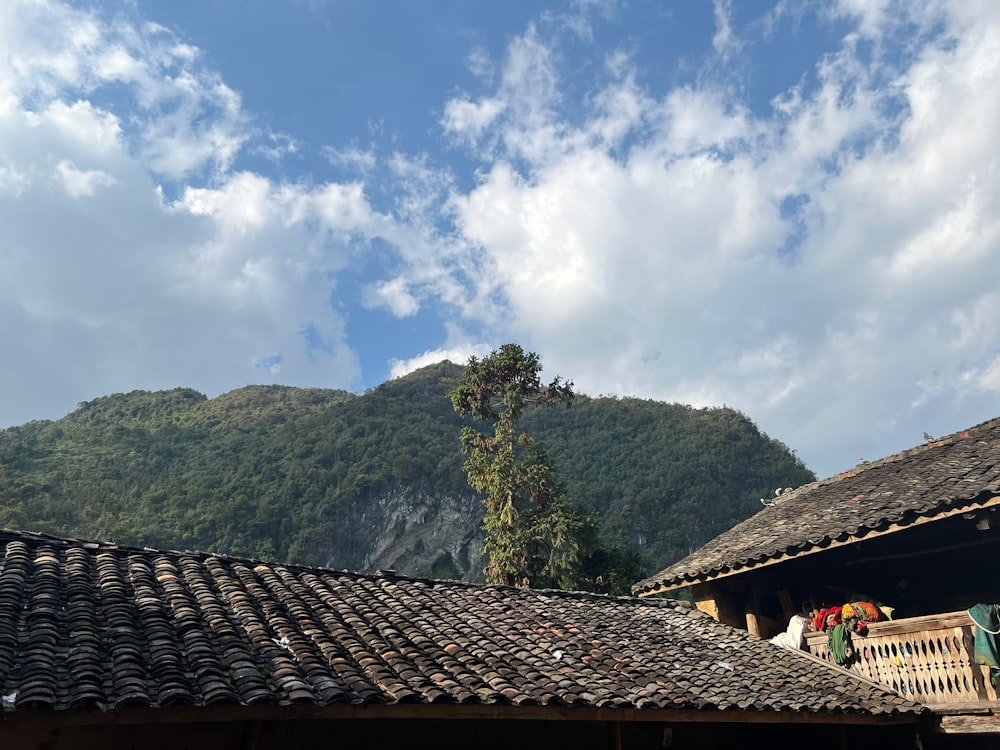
{"x": 28, "y": 720}
{"x": 821, "y": 546}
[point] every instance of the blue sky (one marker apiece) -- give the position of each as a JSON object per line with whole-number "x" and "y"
{"x": 790, "y": 208}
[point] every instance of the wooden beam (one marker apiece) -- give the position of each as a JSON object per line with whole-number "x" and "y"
{"x": 918, "y": 553}
{"x": 26, "y": 720}
{"x": 986, "y": 708}
{"x": 969, "y": 724}
{"x": 909, "y": 625}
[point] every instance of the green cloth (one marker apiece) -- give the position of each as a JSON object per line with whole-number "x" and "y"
{"x": 839, "y": 641}
{"x": 987, "y": 638}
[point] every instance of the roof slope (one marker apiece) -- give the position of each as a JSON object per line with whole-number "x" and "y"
{"x": 85, "y": 624}
{"x": 913, "y": 486}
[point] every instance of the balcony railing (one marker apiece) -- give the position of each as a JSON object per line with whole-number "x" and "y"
{"x": 927, "y": 659}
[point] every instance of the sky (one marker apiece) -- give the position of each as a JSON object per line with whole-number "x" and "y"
{"x": 792, "y": 209}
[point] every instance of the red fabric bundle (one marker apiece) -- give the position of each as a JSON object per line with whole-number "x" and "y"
{"x": 828, "y": 617}
{"x": 858, "y": 613}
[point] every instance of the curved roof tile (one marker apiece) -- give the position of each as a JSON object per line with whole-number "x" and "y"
{"x": 86, "y": 625}
{"x": 917, "y": 484}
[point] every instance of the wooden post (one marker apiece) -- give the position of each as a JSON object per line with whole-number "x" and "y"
{"x": 251, "y": 735}
{"x": 787, "y": 607}
{"x": 752, "y": 611}
{"x": 615, "y": 735}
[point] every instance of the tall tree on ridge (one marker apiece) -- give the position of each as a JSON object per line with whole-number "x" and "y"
{"x": 532, "y": 536}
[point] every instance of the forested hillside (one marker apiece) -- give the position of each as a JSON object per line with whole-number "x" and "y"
{"x": 343, "y": 480}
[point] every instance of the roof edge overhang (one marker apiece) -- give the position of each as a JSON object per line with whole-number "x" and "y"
{"x": 962, "y": 506}
{"x": 28, "y": 719}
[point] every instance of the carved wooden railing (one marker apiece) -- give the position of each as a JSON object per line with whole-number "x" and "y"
{"x": 927, "y": 659}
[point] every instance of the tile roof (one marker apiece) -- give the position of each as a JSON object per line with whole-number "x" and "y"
{"x": 918, "y": 484}
{"x": 86, "y": 625}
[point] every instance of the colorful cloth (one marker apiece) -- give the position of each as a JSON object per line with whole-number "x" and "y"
{"x": 828, "y": 617}
{"x": 839, "y": 643}
{"x": 986, "y": 640}
{"x": 865, "y": 611}
{"x": 841, "y": 621}
{"x": 857, "y": 615}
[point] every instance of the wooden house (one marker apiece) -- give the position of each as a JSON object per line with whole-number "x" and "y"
{"x": 106, "y": 646}
{"x": 918, "y": 531}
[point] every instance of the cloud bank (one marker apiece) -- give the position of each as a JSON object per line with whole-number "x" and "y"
{"x": 828, "y": 265}
{"x": 826, "y": 262}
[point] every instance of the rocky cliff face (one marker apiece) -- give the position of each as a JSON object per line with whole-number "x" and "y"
{"x": 411, "y": 532}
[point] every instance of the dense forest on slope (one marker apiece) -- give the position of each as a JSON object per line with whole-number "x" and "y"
{"x": 301, "y": 475}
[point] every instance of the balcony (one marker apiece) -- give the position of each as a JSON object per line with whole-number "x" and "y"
{"x": 927, "y": 659}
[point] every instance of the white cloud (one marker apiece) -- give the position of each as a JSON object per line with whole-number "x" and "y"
{"x": 725, "y": 42}
{"x": 187, "y": 118}
{"x": 12, "y": 181}
{"x": 579, "y": 17}
{"x": 869, "y": 14}
{"x": 481, "y": 65}
{"x": 620, "y": 107}
{"x": 343, "y": 208}
{"x": 80, "y": 183}
{"x": 208, "y": 128}
{"x": 457, "y": 354}
{"x": 105, "y": 285}
{"x": 522, "y": 109}
{"x": 80, "y": 125}
{"x": 467, "y": 119}
{"x": 976, "y": 324}
{"x": 395, "y": 295}
{"x": 242, "y": 204}
{"x": 961, "y": 235}
{"x": 989, "y": 378}
{"x": 696, "y": 120}
{"x": 674, "y": 268}
{"x": 276, "y": 146}
{"x": 351, "y": 157}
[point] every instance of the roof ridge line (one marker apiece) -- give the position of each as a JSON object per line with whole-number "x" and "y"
{"x": 863, "y": 466}
{"x": 42, "y": 537}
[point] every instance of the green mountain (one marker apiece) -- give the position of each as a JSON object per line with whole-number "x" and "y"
{"x": 325, "y": 477}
